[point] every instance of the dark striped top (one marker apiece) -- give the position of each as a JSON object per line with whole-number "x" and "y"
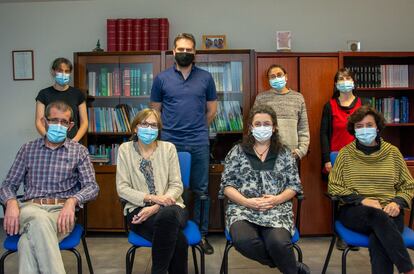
{"x": 382, "y": 175}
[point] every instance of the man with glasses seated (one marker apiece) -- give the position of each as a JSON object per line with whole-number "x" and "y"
{"x": 186, "y": 97}
{"x": 290, "y": 109}
{"x": 58, "y": 176}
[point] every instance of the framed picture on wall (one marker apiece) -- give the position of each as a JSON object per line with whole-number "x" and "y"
{"x": 214, "y": 42}
{"x": 284, "y": 41}
{"x": 23, "y": 67}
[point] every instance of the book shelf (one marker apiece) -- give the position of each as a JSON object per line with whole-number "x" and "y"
{"x": 387, "y": 80}
{"x": 118, "y": 85}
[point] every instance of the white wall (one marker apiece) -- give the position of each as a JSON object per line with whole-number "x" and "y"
{"x": 55, "y": 29}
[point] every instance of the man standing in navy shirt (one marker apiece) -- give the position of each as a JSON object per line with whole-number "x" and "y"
{"x": 186, "y": 96}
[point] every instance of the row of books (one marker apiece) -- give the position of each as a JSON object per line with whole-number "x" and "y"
{"x": 227, "y": 75}
{"x": 112, "y": 119}
{"x": 229, "y": 117}
{"x": 127, "y": 82}
{"x": 377, "y": 76}
{"x": 395, "y": 110}
{"x": 137, "y": 34}
{"x": 104, "y": 154}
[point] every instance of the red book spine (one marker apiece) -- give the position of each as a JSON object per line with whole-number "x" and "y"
{"x": 120, "y": 28}
{"x": 111, "y": 34}
{"x": 137, "y": 35}
{"x": 164, "y": 33}
{"x": 128, "y": 34}
{"x": 145, "y": 34}
{"x": 154, "y": 34}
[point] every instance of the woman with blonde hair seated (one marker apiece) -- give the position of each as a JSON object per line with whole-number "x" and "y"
{"x": 148, "y": 178}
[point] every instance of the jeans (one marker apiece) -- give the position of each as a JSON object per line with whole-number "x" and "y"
{"x": 169, "y": 244}
{"x": 266, "y": 245}
{"x": 386, "y": 246}
{"x": 200, "y": 158}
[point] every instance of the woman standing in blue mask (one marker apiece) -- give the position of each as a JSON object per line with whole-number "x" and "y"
{"x": 290, "y": 109}
{"x": 61, "y": 91}
{"x": 343, "y": 103}
{"x": 375, "y": 186}
{"x": 148, "y": 178}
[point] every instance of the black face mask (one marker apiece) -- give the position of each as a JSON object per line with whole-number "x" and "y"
{"x": 184, "y": 59}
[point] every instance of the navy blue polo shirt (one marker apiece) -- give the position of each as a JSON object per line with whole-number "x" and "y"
{"x": 184, "y": 104}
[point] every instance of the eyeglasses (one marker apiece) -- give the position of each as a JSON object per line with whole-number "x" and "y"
{"x": 55, "y": 121}
{"x": 264, "y": 124}
{"x": 277, "y": 75}
{"x": 152, "y": 125}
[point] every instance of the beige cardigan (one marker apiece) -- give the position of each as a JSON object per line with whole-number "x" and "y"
{"x": 130, "y": 182}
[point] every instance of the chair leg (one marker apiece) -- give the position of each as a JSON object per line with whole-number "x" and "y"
{"x": 195, "y": 260}
{"x": 78, "y": 259}
{"x": 225, "y": 263}
{"x": 328, "y": 256}
{"x": 299, "y": 251}
{"x": 344, "y": 254}
{"x": 88, "y": 258}
{"x": 129, "y": 259}
{"x": 3, "y": 258}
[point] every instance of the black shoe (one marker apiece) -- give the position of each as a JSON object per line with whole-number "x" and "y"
{"x": 206, "y": 246}
{"x": 303, "y": 268}
{"x": 341, "y": 245}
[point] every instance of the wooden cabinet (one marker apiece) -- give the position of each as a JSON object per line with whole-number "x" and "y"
{"x": 105, "y": 213}
{"x": 118, "y": 85}
{"x": 311, "y": 74}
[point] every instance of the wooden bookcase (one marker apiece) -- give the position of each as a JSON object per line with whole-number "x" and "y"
{"x": 311, "y": 74}
{"x": 232, "y": 72}
{"x": 396, "y": 80}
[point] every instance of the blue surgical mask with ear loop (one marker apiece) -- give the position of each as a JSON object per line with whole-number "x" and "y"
{"x": 62, "y": 78}
{"x": 366, "y": 135}
{"x": 147, "y": 135}
{"x": 56, "y": 133}
{"x": 345, "y": 86}
{"x": 278, "y": 83}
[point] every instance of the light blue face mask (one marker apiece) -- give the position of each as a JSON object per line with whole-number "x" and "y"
{"x": 345, "y": 86}
{"x": 366, "y": 135}
{"x": 56, "y": 133}
{"x": 147, "y": 135}
{"x": 62, "y": 78}
{"x": 278, "y": 83}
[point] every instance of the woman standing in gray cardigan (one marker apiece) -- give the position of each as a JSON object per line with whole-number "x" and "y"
{"x": 148, "y": 177}
{"x": 290, "y": 109}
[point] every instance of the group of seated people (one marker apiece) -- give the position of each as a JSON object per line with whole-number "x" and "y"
{"x": 260, "y": 179}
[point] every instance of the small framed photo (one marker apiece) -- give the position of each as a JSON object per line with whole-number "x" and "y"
{"x": 284, "y": 41}
{"x": 23, "y": 66}
{"x": 214, "y": 42}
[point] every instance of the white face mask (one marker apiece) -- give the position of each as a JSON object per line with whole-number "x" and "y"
{"x": 262, "y": 133}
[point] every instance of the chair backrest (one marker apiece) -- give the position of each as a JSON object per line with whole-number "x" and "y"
{"x": 333, "y": 156}
{"x": 185, "y": 167}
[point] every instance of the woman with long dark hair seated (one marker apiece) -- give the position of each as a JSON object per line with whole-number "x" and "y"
{"x": 260, "y": 179}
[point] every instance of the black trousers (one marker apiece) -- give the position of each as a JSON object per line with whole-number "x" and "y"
{"x": 267, "y": 245}
{"x": 386, "y": 246}
{"x": 169, "y": 245}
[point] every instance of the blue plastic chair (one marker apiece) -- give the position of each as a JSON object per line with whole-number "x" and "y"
{"x": 191, "y": 231}
{"x": 229, "y": 242}
{"x": 355, "y": 239}
{"x": 69, "y": 243}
